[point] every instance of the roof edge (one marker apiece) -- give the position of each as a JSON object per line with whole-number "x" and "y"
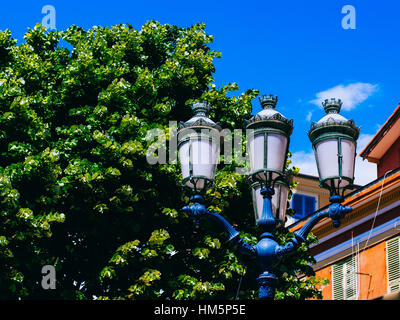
{"x": 381, "y": 132}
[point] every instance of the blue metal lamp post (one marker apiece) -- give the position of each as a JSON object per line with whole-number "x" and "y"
{"x": 268, "y": 143}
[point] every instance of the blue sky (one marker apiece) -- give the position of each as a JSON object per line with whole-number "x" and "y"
{"x": 297, "y": 50}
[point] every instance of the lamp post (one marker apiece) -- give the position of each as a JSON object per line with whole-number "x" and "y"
{"x": 334, "y": 140}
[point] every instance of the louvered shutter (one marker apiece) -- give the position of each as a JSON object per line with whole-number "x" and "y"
{"x": 344, "y": 279}
{"x": 351, "y": 279}
{"x": 337, "y": 282}
{"x": 393, "y": 264}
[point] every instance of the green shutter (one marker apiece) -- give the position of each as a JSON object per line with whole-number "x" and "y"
{"x": 393, "y": 264}
{"x": 344, "y": 279}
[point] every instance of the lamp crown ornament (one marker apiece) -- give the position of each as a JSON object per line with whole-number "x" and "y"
{"x": 332, "y": 105}
{"x": 201, "y": 108}
{"x": 268, "y": 102}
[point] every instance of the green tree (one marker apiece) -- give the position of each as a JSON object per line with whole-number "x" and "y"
{"x": 76, "y": 190}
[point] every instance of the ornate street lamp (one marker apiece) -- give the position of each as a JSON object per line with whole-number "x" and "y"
{"x": 268, "y": 142}
{"x": 198, "y": 152}
{"x": 198, "y": 149}
{"x": 334, "y": 142}
{"x": 268, "y": 135}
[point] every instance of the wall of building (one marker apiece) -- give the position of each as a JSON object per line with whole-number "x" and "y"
{"x": 391, "y": 159}
{"x": 371, "y": 274}
{"x": 325, "y": 273}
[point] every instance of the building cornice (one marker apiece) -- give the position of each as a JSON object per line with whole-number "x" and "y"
{"x": 358, "y": 213}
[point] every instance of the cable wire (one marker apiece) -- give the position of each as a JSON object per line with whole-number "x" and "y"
{"x": 238, "y": 289}
{"x": 376, "y": 211}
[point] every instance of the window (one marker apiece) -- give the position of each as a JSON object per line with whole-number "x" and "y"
{"x": 303, "y": 204}
{"x": 393, "y": 264}
{"x": 344, "y": 279}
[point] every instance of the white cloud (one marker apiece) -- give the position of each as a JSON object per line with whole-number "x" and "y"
{"x": 309, "y": 115}
{"x": 306, "y": 162}
{"x": 351, "y": 95}
{"x": 364, "y": 172}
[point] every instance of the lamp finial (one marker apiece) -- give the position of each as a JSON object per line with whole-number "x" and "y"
{"x": 268, "y": 102}
{"x": 332, "y": 105}
{"x": 200, "y": 108}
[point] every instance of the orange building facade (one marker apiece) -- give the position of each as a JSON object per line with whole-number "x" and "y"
{"x": 361, "y": 258}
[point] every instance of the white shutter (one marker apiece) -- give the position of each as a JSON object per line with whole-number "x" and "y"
{"x": 337, "y": 282}
{"x": 351, "y": 279}
{"x": 344, "y": 279}
{"x": 393, "y": 264}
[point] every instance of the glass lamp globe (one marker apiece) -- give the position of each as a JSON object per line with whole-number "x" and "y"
{"x": 278, "y": 201}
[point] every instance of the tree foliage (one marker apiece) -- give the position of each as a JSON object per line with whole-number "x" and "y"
{"x": 76, "y": 190}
